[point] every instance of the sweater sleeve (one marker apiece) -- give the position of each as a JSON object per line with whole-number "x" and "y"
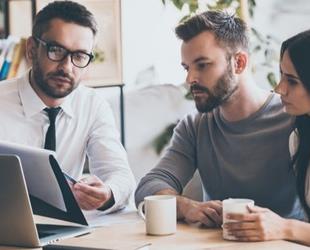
{"x": 176, "y": 167}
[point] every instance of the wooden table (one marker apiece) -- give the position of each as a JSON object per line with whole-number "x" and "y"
{"x": 187, "y": 237}
{"x": 131, "y": 235}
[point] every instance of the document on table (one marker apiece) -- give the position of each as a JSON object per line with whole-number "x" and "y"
{"x": 98, "y": 218}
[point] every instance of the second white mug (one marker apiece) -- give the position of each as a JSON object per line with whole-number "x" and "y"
{"x": 159, "y": 214}
{"x": 239, "y": 206}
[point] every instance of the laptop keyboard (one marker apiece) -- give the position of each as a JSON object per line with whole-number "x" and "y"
{"x": 43, "y": 231}
{"x": 43, "y": 234}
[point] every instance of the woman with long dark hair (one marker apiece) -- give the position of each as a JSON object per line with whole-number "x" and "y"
{"x": 294, "y": 87}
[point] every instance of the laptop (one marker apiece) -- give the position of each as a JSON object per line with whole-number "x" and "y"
{"x": 49, "y": 191}
{"x": 17, "y": 226}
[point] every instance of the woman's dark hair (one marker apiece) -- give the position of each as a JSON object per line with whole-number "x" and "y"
{"x": 66, "y": 10}
{"x": 298, "y": 48}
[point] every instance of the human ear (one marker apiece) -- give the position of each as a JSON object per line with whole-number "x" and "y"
{"x": 30, "y": 48}
{"x": 240, "y": 62}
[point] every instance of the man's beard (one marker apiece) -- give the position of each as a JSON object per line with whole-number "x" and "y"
{"x": 42, "y": 82}
{"x": 223, "y": 89}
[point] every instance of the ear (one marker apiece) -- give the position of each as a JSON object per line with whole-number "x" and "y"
{"x": 240, "y": 61}
{"x": 31, "y": 47}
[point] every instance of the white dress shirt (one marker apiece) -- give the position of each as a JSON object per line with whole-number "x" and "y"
{"x": 84, "y": 126}
{"x": 293, "y": 143}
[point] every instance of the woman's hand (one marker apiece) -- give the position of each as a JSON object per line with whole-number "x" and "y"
{"x": 260, "y": 224}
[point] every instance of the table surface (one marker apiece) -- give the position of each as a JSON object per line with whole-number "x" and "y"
{"x": 130, "y": 234}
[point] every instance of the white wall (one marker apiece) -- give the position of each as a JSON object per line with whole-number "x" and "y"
{"x": 283, "y": 18}
{"x": 149, "y": 42}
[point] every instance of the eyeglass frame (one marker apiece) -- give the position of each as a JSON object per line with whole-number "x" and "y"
{"x": 47, "y": 45}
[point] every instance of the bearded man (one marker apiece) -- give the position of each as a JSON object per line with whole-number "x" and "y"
{"x": 238, "y": 139}
{"x": 48, "y": 108}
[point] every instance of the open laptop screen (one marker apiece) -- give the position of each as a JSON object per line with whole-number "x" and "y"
{"x": 49, "y": 191}
{"x": 17, "y": 227}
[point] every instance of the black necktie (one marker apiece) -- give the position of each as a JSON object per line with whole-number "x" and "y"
{"x": 50, "y": 137}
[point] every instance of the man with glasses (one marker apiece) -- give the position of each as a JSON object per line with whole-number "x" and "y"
{"x": 48, "y": 108}
{"x": 57, "y": 53}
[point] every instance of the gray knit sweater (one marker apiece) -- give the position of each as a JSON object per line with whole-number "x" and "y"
{"x": 245, "y": 159}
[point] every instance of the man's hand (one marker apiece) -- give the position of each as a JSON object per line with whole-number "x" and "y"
{"x": 91, "y": 193}
{"x": 208, "y": 213}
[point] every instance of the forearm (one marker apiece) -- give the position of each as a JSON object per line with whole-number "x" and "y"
{"x": 155, "y": 181}
{"x": 298, "y": 231}
{"x": 118, "y": 177}
{"x": 182, "y": 202}
{"x": 122, "y": 187}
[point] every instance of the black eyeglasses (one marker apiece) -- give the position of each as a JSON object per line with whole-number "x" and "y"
{"x": 58, "y": 53}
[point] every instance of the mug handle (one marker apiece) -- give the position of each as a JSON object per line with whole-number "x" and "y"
{"x": 140, "y": 210}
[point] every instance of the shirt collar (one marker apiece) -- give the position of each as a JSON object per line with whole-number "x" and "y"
{"x": 66, "y": 106}
{"x": 31, "y": 102}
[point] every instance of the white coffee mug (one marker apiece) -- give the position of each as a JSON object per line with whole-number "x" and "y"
{"x": 239, "y": 206}
{"x": 159, "y": 214}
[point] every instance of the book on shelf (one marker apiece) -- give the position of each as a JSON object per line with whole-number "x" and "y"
{"x": 5, "y": 45}
{"x": 11, "y": 56}
{"x": 18, "y": 55}
{"x": 7, "y": 62}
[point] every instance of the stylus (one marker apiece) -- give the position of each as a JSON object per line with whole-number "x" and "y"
{"x": 69, "y": 178}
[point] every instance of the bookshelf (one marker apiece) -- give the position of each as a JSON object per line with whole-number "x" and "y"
{"x": 15, "y": 30}
{"x": 106, "y": 73}
{"x": 11, "y": 56}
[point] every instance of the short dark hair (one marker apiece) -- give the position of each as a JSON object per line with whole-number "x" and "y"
{"x": 229, "y": 30}
{"x": 66, "y": 10}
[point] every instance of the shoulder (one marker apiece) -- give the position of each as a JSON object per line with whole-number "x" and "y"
{"x": 9, "y": 93}
{"x": 275, "y": 112}
{"x": 8, "y": 86}
{"x": 89, "y": 97}
{"x": 194, "y": 120}
{"x": 12, "y": 87}
{"x": 274, "y": 104}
